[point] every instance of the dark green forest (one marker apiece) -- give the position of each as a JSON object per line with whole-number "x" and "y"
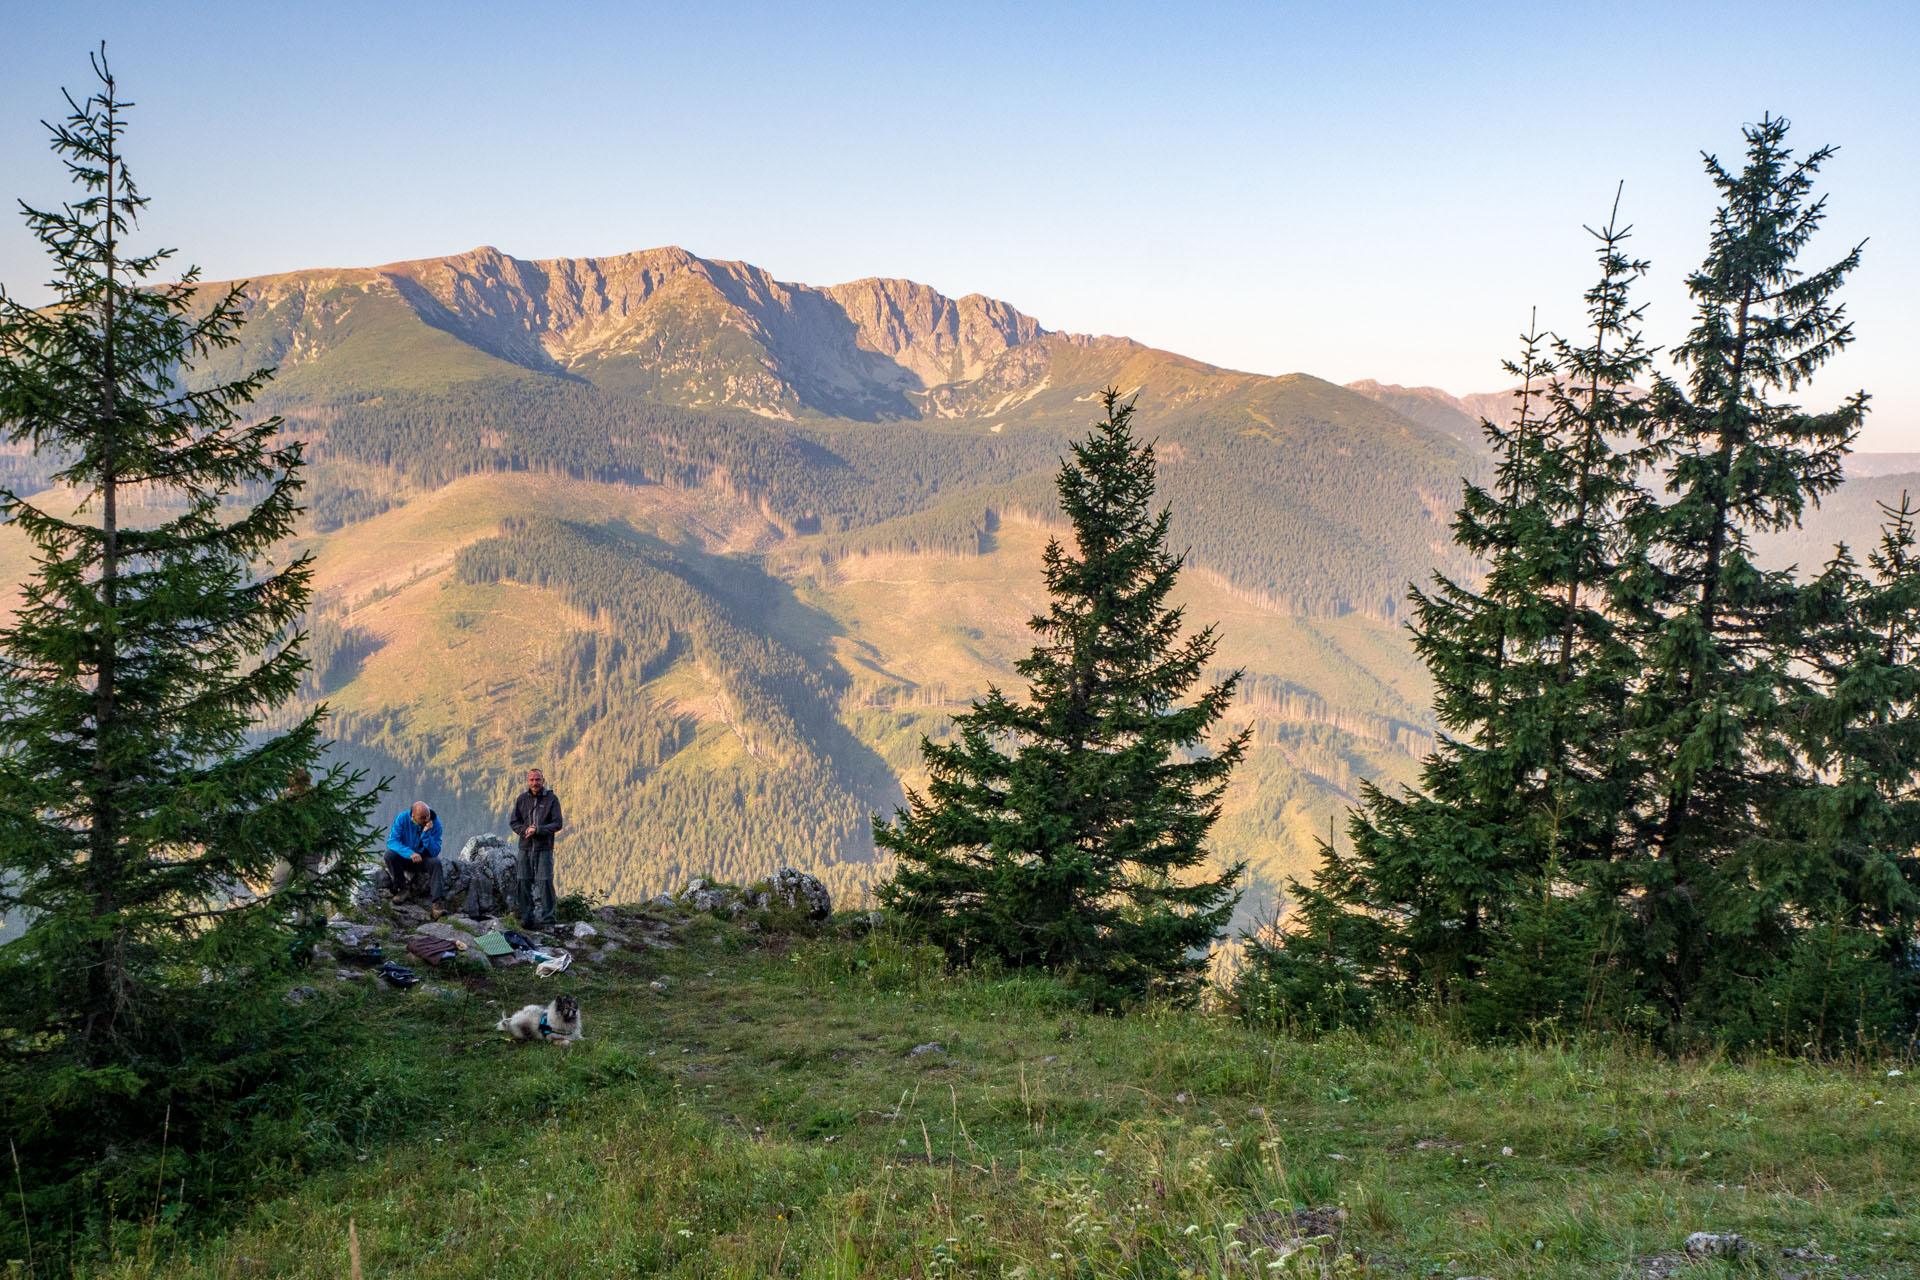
{"x": 1303, "y": 520}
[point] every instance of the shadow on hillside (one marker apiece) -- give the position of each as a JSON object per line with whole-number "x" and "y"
{"x": 509, "y": 342}
{"x": 767, "y": 605}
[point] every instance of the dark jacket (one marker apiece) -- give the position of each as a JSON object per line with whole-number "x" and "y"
{"x": 535, "y": 819}
{"x": 407, "y": 837}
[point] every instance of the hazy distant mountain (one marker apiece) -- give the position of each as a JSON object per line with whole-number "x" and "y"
{"x": 1882, "y": 464}
{"x": 1852, "y": 514}
{"x": 1458, "y": 416}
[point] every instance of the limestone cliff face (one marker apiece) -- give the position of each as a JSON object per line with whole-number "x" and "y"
{"x": 937, "y": 339}
{"x": 704, "y": 331}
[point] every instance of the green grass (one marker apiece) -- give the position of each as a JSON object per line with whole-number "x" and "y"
{"x": 765, "y": 1115}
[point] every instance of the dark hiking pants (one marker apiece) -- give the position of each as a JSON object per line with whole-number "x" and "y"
{"x": 535, "y": 906}
{"x": 425, "y": 876}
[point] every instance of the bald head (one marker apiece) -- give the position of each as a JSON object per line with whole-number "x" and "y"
{"x": 422, "y": 813}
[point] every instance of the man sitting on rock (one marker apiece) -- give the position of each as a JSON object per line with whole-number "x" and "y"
{"x": 535, "y": 819}
{"x": 413, "y": 855}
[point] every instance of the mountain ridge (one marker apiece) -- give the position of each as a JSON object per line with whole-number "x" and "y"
{"x": 1458, "y": 416}
{"x": 857, "y": 348}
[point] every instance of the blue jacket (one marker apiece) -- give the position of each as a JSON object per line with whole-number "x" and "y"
{"x": 408, "y": 837}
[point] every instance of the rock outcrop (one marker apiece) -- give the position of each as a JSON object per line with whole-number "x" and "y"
{"x": 492, "y": 876}
{"x": 796, "y": 889}
{"x": 480, "y": 883}
{"x": 373, "y": 890}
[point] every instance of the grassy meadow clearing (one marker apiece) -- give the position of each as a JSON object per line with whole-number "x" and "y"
{"x": 764, "y": 1105}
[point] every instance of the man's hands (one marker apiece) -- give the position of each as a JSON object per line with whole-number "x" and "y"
{"x": 418, "y": 857}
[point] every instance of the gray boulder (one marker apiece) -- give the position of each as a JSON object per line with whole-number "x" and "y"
{"x": 351, "y": 934}
{"x": 1715, "y": 1244}
{"x": 796, "y": 889}
{"x": 865, "y": 922}
{"x": 470, "y": 851}
{"x": 712, "y": 899}
{"x": 447, "y": 931}
{"x": 375, "y": 887}
{"x": 492, "y": 875}
{"x": 456, "y": 878}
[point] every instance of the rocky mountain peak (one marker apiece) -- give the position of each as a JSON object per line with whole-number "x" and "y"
{"x": 699, "y": 330}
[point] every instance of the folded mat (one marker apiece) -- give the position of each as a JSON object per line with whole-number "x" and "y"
{"x": 432, "y": 950}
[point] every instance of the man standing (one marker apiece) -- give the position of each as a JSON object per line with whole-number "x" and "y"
{"x": 535, "y": 818}
{"x": 413, "y": 855}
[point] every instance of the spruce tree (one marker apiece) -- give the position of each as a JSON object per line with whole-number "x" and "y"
{"x": 1863, "y": 734}
{"x": 1679, "y": 788}
{"x": 141, "y": 814}
{"x": 1721, "y": 857}
{"x": 1069, "y": 830}
{"x": 1529, "y": 675}
{"x": 1405, "y": 907}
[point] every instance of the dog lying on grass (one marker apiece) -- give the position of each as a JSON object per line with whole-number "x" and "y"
{"x": 556, "y": 1023}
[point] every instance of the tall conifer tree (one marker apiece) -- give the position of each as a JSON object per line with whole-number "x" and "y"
{"x": 140, "y": 820}
{"x": 1529, "y": 677}
{"x": 1720, "y": 855}
{"x": 1681, "y": 789}
{"x": 1863, "y": 735}
{"x": 1069, "y": 830}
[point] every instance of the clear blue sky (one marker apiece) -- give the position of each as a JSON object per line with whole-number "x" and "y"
{"x": 1351, "y": 190}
